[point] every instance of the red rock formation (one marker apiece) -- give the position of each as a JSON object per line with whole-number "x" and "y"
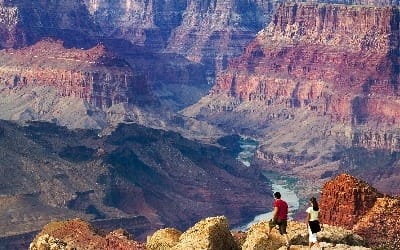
{"x": 345, "y": 199}
{"x": 78, "y": 234}
{"x": 334, "y": 60}
{"x": 93, "y": 75}
{"x": 351, "y": 203}
{"x": 381, "y": 222}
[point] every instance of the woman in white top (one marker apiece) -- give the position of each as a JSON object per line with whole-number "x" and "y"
{"x": 312, "y": 222}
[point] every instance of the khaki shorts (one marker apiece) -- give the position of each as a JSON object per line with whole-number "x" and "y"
{"x": 282, "y": 225}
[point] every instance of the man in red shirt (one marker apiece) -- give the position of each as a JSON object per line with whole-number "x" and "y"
{"x": 279, "y": 216}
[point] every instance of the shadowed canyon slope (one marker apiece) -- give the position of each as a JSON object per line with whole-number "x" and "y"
{"x": 319, "y": 87}
{"x": 50, "y": 172}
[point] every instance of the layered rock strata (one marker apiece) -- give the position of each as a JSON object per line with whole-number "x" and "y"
{"x": 333, "y": 60}
{"x": 213, "y": 32}
{"x": 352, "y": 203}
{"x": 144, "y": 23}
{"x": 93, "y": 75}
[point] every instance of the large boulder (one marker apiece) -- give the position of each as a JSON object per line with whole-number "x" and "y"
{"x": 211, "y": 233}
{"x": 165, "y": 238}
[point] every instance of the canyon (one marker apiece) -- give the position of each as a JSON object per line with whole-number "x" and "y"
{"x": 153, "y": 87}
{"x": 318, "y": 88}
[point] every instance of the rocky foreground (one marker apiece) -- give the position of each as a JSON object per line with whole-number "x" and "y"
{"x": 350, "y": 198}
{"x": 209, "y": 233}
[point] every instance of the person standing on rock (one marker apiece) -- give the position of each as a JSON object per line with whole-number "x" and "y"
{"x": 312, "y": 222}
{"x": 279, "y": 217}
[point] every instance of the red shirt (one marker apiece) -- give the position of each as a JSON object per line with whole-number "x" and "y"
{"x": 282, "y": 209}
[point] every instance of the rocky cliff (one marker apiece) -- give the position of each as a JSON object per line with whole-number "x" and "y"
{"x": 93, "y": 75}
{"x": 330, "y": 60}
{"x": 311, "y": 55}
{"x": 26, "y": 22}
{"x": 144, "y": 23}
{"x": 352, "y": 203}
{"x": 213, "y": 32}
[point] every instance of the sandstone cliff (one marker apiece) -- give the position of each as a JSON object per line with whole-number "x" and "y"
{"x": 329, "y": 59}
{"x": 93, "y": 75}
{"x": 352, "y": 203}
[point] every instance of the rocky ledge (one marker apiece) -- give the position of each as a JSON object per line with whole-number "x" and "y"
{"x": 211, "y": 233}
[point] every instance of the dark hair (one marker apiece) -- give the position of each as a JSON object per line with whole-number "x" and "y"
{"x": 314, "y": 203}
{"x": 277, "y": 195}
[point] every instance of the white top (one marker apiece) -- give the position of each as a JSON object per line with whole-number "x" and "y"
{"x": 313, "y": 214}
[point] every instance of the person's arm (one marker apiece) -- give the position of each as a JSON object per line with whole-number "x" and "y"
{"x": 274, "y": 213}
{"x": 319, "y": 219}
{"x": 307, "y": 218}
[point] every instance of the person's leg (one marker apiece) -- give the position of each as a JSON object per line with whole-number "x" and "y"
{"x": 287, "y": 239}
{"x": 271, "y": 224}
{"x": 310, "y": 238}
{"x": 282, "y": 230}
{"x": 313, "y": 241}
{"x": 316, "y": 243}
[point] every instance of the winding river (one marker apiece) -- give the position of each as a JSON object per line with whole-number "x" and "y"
{"x": 279, "y": 184}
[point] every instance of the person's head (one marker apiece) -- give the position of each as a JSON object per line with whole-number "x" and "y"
{"x": 314, "y": 203}
{"x": 277, "y": 195}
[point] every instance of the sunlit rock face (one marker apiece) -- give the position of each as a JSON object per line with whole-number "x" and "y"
{"x": 334, "y": 60}
{"x": 353, "y": 204}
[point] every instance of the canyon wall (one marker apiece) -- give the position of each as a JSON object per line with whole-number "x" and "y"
{"x": 334, "y": 60}
{"x": 213, "y": 32}
{"x": 317, "y": 86}
{"x": 144, "y": 23}
{"x": 93, "y": 75}
{"x": 25, "y": 22}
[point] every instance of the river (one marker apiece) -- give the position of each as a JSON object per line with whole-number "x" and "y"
{"x": 279, "y": 184}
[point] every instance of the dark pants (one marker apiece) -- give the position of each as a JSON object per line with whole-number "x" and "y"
{"x": 282, "y": 225}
